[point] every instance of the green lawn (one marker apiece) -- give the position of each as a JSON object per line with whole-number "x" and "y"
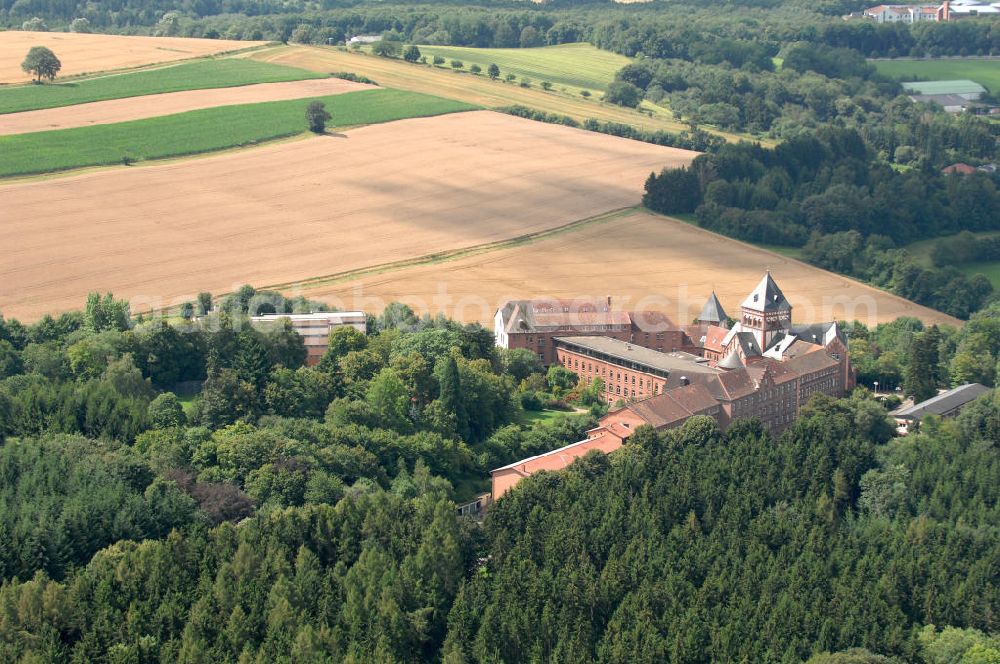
{"x": 790, "y": 252}
{"x": 921, "y": 252}
{"x": 573, "y": 66}
{"x": 205, "y": 130}
{"x": 187, "y": 402}
{"x": 529, "y": 417}
{"x": 198, "y": 75}
{"x": 984, "y": 72}
{"x": 990, "y": 269}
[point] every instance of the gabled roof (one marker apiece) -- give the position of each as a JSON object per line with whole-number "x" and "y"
{"x": 562, "y": 457}
{"x": 748, "y": 344}
{"x": 732, "y": 385}
{"x": 581, "y": 315}
{"x": 943, "y": 403}
{"x": 766, "y": 297}
{"x": 712, "y": 312}
{"x": 715, "y": 337}
{"x": 674, "y": 406}
{"x": 651, "y": 321}
{"x": 955, "y": 87}
{"x": 964, "y": 169}
{"x": 819, "y": 333}
{"x": 811, "y": 363}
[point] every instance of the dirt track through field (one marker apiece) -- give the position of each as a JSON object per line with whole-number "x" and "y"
{"x": 642, "y": 260}
{"x": 136, "y": 108}
{"x": 90, "y": 53}
{"x": 281, "y": 213}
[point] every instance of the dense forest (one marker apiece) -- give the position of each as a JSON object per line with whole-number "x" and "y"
{"x": 682, "y": 30}
{"x": 828, "y": 193}
{"x": 308, "y": 514}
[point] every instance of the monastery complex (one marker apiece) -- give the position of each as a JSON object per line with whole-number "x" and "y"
{"x": 757, "y": 364}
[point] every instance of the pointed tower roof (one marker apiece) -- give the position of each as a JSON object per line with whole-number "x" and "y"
{"x": 713, "y": 312}
{"x": 767, "y": 297}
{"x": 731, "y": 361}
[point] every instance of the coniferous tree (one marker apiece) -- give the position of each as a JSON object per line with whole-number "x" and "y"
{"x": 452, "y": 399}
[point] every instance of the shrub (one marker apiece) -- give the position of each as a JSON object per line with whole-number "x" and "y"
{"x": 412, "y": 53}
{"x": 386, "y": 49}
{"x": 623, "y": 94}
{"x": 457, "y": 64}
{"x": 351, "y": 76}
{"x": 475, "y": 69}
{"x": 531, "y": 401}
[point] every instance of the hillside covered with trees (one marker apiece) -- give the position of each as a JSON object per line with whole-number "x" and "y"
{"x": 308, "y": 514}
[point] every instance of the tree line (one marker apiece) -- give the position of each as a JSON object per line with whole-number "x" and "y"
{"x": 827, "y": 193}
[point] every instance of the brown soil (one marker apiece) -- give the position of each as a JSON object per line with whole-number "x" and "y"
{"x": 641, "y": 260}
{"x": 288, "y": 212}
{"x": 89, "y": 53}
{"x": 136, "y": 108}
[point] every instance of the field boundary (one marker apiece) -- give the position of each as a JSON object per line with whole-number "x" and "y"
{"x": 438, "y": 257}
{"x": 475, "y": 250}
{"x": 116, "y": 136}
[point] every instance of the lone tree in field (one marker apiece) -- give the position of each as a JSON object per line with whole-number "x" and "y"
{"x": 41, "y": 62}
{"x": 317, "y": 117}
{"x": 412, "y": 53}
{"x": 493, "y": 71}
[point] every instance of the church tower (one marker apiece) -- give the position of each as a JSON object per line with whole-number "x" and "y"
{"x": 765, "y": 312}
{"x": 713, "y": 313}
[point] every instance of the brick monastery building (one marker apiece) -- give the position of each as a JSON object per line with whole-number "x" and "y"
{"x": 761, "y": 366}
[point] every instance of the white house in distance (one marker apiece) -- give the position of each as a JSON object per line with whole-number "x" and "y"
{"x": 364, "y": 39}
{"x": 315, "y": 328}
{"x": 902, "y": 13}
{"x": 950, "y": 10}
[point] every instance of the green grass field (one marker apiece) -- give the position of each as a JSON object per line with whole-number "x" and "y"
{"x": 205, "y": 130}
{"x": 921, "y": 252}
{"x": 529, "y": 417}
{"x": 991, "y": 270}
{"x": 984, "y": 72}
{"x": 573, "y": 66}
{"x": 198, "y": 75}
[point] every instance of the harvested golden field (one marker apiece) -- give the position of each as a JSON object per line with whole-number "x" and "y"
{"x": 642, "y": 260}
{"x": 88, "y": 53}
{"x": 289, "y": 212}
{"x": 466, "y": 87}
{"x": 135, "y": 108}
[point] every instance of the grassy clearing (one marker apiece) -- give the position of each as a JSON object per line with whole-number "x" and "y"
{"x": 921, "y": 252}
{"x": 984, "y": 72}
{"x": 187, "y": 402}
{"x": 464, "y": 86}
{"x": 529, "y": 417}
{"x": 198, "y": 75}
{"x": 573, "y": 66}
{"x": 205, "y": 130}
{"x": 990, "y": 269}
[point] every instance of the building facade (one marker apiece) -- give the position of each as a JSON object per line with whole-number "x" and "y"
{"x": 763, "y": 367}
{"x": 534, "y": 324}
{"x": 315, "y": 328}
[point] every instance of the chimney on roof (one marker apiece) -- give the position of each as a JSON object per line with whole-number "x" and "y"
{"x": 609, "y": 303}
